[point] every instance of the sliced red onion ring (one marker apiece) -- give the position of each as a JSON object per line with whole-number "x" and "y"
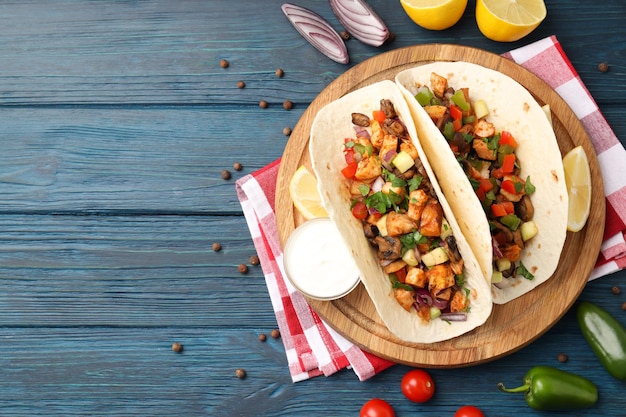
{"x": 361, "y": 21}
{"x": 453, "y": 316}
{"x": 496, "y": 249}
{"x": 423, "y": 297}
{"x": 361, "y": 132}
{"x": 317, "y": 31}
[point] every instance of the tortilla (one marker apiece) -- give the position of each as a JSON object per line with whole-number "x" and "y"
{"x": 331, "y": 125}
{"x": 514, "y": 109}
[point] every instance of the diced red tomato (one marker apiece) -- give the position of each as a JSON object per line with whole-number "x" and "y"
{"x": 508, "y": 186}
{"x": 497, "y": 173}
{"x": 508, "y": 163}
{"x": 485, "y": 185}
{"x": 480, "y": 193}
{"x": 457, "y": 116}
{"x": 502, "y": 209}
{"x": 401, "y": 275}
{"x": 379, "y": 116}
{"x": 349, "y": 155}
{"x": 359, "y": 210}
{"x": 350, "y": 170}
{"x": 506, "y": 138}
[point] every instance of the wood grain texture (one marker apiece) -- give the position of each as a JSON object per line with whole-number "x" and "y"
{"x": 117, "y": 121}
{"x": 510, "y": 326}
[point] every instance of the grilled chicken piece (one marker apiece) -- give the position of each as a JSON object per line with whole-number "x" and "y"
{"x": 395, "y": 266}
{"x": 416, "y": 277}
{"x": 459, "y": 302}
{"x": 484, "y": 129}
{"x": 431, "y": 219}
{"x": 417, "y": 202}
{"x": 436, "y": 113}
{"x": 438, "y": 84}
{"x": 483, "y": 152}
{"x": 409, "y": 148}
{"x": 399, "y": 224}
{"x": 404, "y": 297}
{"x": 439, "y": 278}
{"x": 511, "y": 252}
{"x": 390, "y": 146}
{"x": 377, "y": 135}
{"x": 368, "y": 169}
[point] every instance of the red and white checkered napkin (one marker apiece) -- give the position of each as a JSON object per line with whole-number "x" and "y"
{"x": 547, "y": 59}
{"x": 312, "y": 347}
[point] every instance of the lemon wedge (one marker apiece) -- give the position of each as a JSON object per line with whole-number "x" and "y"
{"x": 509, "y": 20}
{"x": 434, "y": 14}
{"x": 304, "y": 194}
{"x": 578, "y": 182}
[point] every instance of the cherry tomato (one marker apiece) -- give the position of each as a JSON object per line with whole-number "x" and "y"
{"x": 377, "y": 408}
{"x": 418, "y": 386}
{"x": 469, "y": 411}
{"x": 359, "y": 210}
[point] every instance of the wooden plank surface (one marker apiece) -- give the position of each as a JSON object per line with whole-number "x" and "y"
{"x": 117, "y": 121}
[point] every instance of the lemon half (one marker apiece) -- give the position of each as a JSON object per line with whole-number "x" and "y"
{"x": 509, "y": 20}
{"x": 434, "y": 14}
{"x": 578, "y": 182}
{"x": 304, "y": 194}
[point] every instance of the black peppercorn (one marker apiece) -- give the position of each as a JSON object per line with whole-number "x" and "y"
{"x": 254, "y": 260}
{"x": 177, "y": 347}
{"x": 262, "y": 337}
{"x": 242, "y": 268}
{"x": 275, "y": 333}
{"x": 217, "y": 247}
{"x": 241, "y": 373}
{"x": 345, "y": 35}
{"x": 603, "y": 67}
{"x": 624, "y": 306}
{"x": 241, "y": 84}
{"x": 287, "y": 131}
{"x": 287, "y": 105}
{"x": 224, "y": 63}
{"x": 562, "y": 357}
{"x": 280, "y": 72}
{"x": 263, "y": 104}
{"x": 616, "y": 290}
{"x": 237, "y": 166}
{"x": 225, "y": 174}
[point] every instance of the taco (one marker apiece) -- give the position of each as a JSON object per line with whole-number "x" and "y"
{"x": 378, "y": 187}
{"x": 499, "y": 166}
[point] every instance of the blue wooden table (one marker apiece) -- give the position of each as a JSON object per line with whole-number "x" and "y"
{"x": 117, "y": 122}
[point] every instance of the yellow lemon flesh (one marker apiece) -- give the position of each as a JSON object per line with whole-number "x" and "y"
{"x": 434, "y": 14}
{"x": 509, "y": 20}
{"x": 578, "y": 182}
{"x": 304, "y": 194}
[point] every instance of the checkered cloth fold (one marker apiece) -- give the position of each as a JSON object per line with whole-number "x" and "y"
{"x": 312, "y": 347}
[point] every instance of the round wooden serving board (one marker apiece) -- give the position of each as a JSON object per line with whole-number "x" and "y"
{"x": 511, "y": 326}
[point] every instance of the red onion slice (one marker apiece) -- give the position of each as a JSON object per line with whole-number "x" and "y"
{"x": 361, "y": 21}
{"x": 317, "y": 32}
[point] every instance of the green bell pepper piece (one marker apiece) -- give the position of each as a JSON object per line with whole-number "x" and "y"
{"x": 551, "y": 389}
{"x": 605, "y": 335}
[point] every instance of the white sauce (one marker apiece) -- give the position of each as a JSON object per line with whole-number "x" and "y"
{"x": 317, "y": 261}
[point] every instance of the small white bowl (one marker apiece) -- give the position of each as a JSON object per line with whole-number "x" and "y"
{"x": 317, "y": 261}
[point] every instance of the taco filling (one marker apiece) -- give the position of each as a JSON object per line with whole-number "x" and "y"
{"x": 402, "y": 218}
{"x": 488, "y": 158}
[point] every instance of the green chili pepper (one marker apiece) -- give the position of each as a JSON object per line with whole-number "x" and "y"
{"x": 605, "y": 335}
{"x": 550, "y": 389}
